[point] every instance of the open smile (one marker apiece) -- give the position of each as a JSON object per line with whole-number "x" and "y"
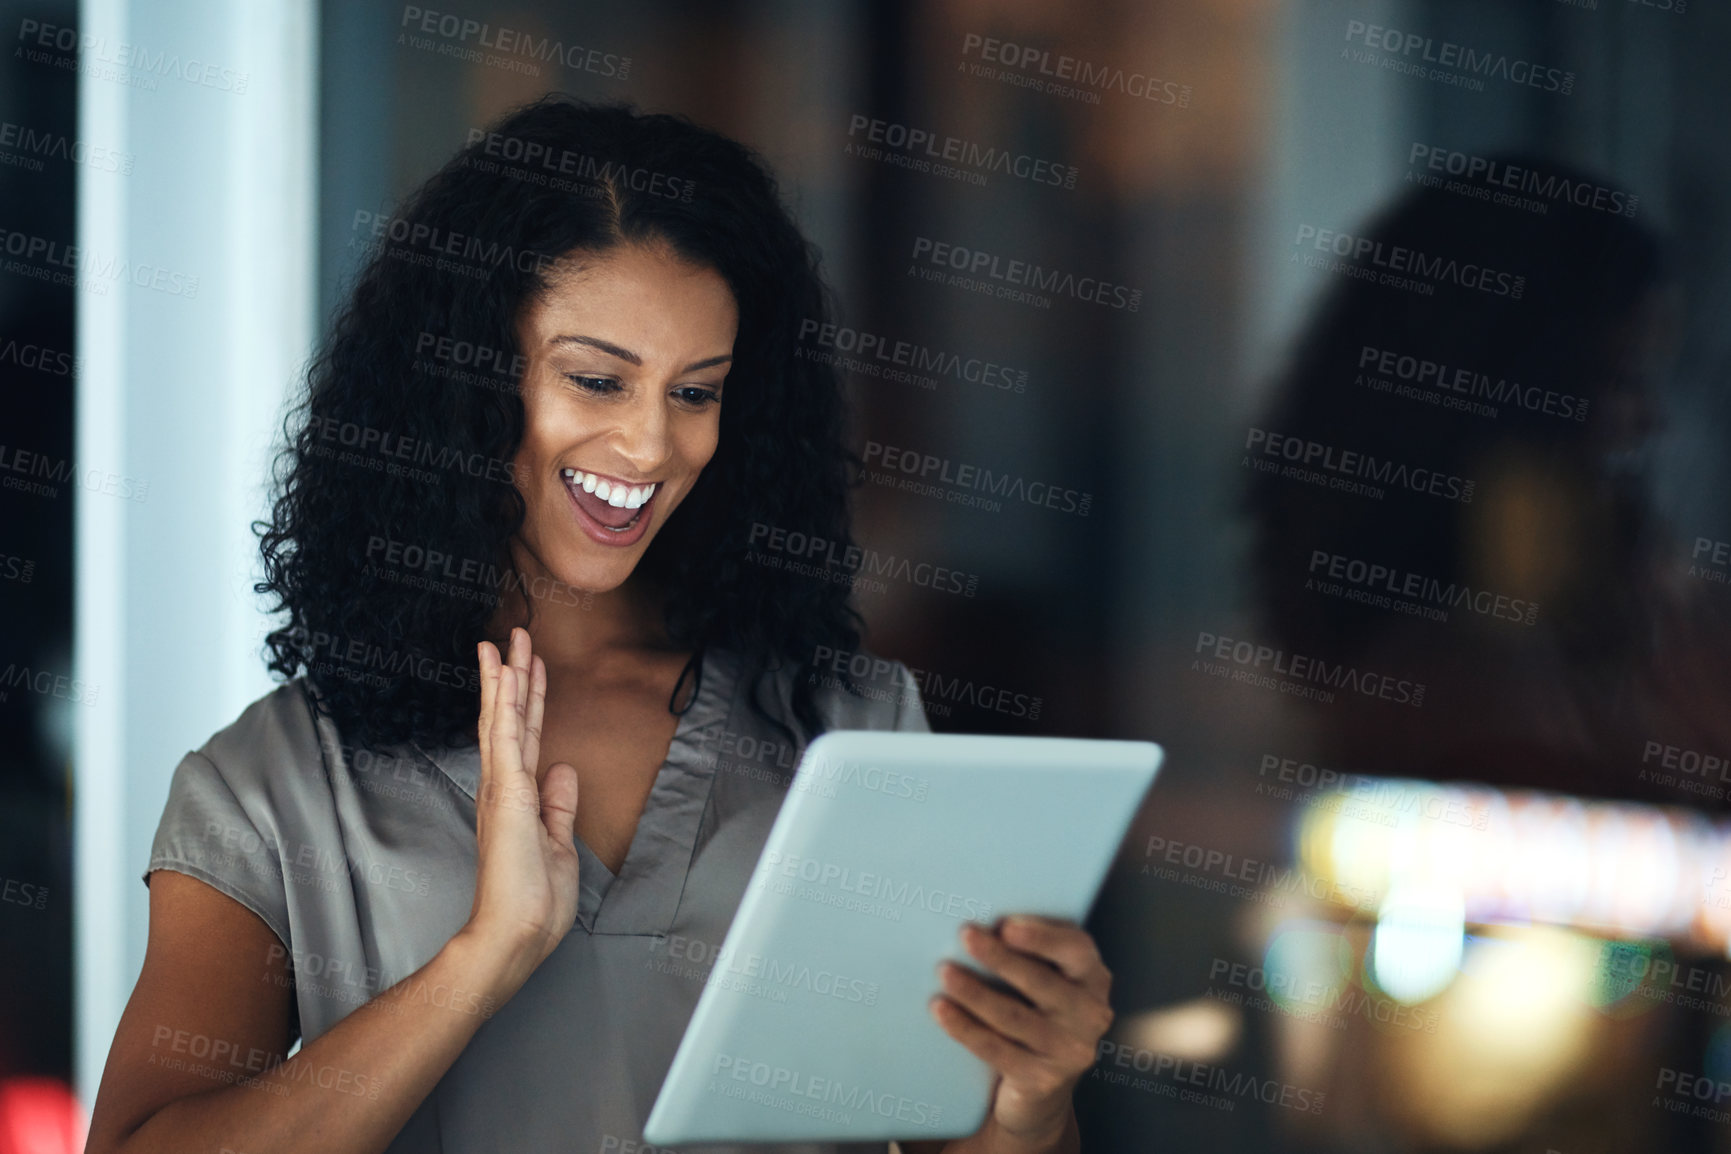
{"x": 610, "y": 510}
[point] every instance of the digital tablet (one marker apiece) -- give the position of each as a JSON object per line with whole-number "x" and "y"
{"x": 885, "y": 845}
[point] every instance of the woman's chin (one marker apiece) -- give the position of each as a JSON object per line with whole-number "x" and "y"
{"x": 592, "y": 574}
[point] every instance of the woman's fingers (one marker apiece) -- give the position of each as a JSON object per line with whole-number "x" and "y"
{"x": 532, "y": 722}
{"x": 1010, "y": 1060}
{"x": 1067, "y": 946}
{"x": 1039, "y": 981}
{"x": 507, "y": 736}
{"x": 488, "y": 657}
{"x": 559, "y": 803}
{"x": 520, "y": 662}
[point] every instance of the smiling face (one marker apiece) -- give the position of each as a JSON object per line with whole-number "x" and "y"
{"x": 627, "y": 353}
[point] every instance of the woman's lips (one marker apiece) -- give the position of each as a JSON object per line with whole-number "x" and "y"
{"x": 609, "y": 524}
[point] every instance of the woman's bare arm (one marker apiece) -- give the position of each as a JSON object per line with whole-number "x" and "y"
{"x": 197, "y": 1062}
{"x": 198, "y": 1059}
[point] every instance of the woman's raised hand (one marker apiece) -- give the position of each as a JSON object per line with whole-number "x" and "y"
{"x": 526, "y": 865}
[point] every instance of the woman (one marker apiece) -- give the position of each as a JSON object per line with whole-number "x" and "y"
{"x": 524, "y": 396}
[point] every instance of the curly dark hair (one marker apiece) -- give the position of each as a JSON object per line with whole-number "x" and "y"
{"x": 392, "y": 660}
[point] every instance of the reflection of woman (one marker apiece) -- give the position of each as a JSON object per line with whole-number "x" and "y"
{"x": 347, "y": 865}
{"x": 1537, "y": 611}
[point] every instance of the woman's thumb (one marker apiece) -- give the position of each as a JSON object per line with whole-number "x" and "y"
{"x": 559, "y": 801}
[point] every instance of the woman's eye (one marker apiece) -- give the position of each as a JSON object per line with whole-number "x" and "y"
{"x": 695, "y": 395}
{"x": 594, "y": 384}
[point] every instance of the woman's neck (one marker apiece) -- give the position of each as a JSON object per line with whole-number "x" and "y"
{"x": 571, "y": 628}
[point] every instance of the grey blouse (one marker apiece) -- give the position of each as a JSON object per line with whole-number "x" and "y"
{"x": 363, "y": 863}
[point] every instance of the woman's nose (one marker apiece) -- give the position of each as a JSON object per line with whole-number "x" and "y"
{"x": 641, "y": 436}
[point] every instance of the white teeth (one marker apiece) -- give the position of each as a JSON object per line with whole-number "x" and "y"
{"x": 617, "y": 495}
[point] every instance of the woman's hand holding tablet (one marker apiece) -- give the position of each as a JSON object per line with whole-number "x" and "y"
{"x": 1041, "y": 1044}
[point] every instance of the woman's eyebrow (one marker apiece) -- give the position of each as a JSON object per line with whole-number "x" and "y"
{"x": 627, "y": 355}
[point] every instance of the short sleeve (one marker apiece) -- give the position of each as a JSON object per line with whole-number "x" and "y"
{"x": 206, "y": 833}
{"x": 910, "y": 708}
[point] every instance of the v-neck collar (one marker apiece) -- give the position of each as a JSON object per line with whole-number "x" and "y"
{"x": 643, "y": 897}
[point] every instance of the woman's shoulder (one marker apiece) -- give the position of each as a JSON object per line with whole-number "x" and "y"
{"x": 276, "y": 736}
{"x": 237, "y": 802}
{"x": 265, "y": 770}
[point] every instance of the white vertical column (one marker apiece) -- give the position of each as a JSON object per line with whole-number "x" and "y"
{"x": 183, "y": 389}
